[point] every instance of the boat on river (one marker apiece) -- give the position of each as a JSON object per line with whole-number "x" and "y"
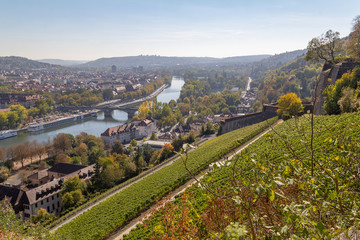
{"x": 35, "y": 127}
{"x": 7, "y": 134}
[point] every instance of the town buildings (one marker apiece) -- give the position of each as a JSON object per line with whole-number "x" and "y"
{"x": 44, "y": 190}
{"x": 27, "y": 100}
{"x": 133, "y": 130}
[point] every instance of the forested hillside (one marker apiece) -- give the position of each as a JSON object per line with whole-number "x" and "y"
{"x": 298, "y": 76}
{"x": 20, "y": 63}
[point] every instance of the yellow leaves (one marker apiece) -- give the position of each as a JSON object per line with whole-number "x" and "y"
{"x": 289, "y": 104}
{"x": 144, "y": 110}
{"x": 263, "y": 168}
{"x": 272, "y": 196}
{"x": 314, "y": 208}
{"x": 159, "y": 229}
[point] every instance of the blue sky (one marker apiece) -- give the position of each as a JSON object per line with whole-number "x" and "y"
{"x": 89, "y": 29}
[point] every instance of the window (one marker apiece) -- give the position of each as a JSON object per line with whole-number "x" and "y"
{"x": 48, "y": 209}
{"x": 36, "y": 205}
{"x": 27, "y": 215}
{"x": 26, "y": 206}
{"x": 57, "y": 195}
{"x": 52, "y": 197}
{"x": 58, "y": 204}
{"x": 47, "y": 200}
{"x": 42, "y": 202}
{"x": 53, "y": 206}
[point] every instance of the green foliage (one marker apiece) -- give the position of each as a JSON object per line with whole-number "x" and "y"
{"x": 118, "y": 209}
{"x": 153, "y": 136}
{"x": 117, "y": 147}
{"x": 297, "y": 76}
{"x": 133, "y": 143}
{"x": 13, "y": 227}
{"x": 72, "y": 192}
{"x": 107, "y": 94}
{"x": 73, "y": 184}
{"x": 9, "y": 164}
{"x": 333, "y": 93}
{"x": 286, "y": 194}
{"x": 42, "y": 217}
{"x": 348, "y": 100}
{"x": 78, "y": 97}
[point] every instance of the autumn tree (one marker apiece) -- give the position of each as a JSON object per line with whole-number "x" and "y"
{"x": 289, "y": 105}
{"x": 353, "y": 44}
{"x": 62, "y": 158}
{"x": 20, "y": 111}
{"x": 39, "y": 149}
{"x": 2, "y": 154}
{"x": 42, "y": 216}
{"x": 20, "y": 153}
{"x": 166, "y": 151}
{"x": 62, "y": 143}
{"x": 327, "y": 47}
{"x": 3, "y": 120}
{"x": 144, "y": 110}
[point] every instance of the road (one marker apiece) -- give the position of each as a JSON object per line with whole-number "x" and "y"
{"x": 139, "y": 220}
{"x": 243, "y": 93}
{"x": 113, "y": 102}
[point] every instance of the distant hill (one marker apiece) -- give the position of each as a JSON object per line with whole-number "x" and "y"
{"x": 260, "y": 68}
{"x": 20, "y": 63}
{"x": 159, "y": 61}
{"x": 62, "y": 62}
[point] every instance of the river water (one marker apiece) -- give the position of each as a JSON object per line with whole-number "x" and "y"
{"x": 94, "y": 126}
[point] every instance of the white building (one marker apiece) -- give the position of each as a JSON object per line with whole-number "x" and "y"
{"x": 125, "y": 133}
{"x": 47, "y": 194}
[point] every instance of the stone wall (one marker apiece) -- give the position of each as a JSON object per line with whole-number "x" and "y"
{"x": 234, "y": 123}
{"x": 269, "y": 111}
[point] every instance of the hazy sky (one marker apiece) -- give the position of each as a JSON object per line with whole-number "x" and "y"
{"x": 90, "y": 29}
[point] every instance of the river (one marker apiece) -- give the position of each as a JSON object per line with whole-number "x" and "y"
{"x": 94, "y": 126}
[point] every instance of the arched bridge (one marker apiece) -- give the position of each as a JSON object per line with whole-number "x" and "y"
{"x": 107, "y": 109}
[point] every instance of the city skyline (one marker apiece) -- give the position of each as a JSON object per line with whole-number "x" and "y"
{"x": 88, "y": 30}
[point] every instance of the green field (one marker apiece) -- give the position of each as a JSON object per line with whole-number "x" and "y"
{"x": 113, "y": 213}
{"x": 290, "y": 189}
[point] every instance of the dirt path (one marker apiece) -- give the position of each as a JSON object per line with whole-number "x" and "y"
{"x": 170, "y": 197}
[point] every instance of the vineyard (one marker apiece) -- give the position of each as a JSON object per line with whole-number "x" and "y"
{"x": 113, "y": 213}
{"x": 296, "y": 182}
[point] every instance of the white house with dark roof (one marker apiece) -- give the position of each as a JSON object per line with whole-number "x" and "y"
{"x": 47, "y": 194}
{"x": 125, "y": 133}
